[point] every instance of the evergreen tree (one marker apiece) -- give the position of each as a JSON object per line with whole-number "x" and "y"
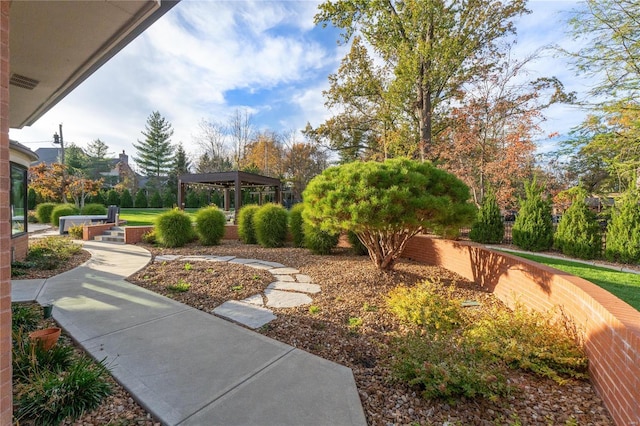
{"x": 155, "y": 152}
{"x": 578, "y": 232}
{"x": 97, "y": 161}
{"x": 623, "y": 233}
{"x": 31, "y": 199}
{"x": 168, "y": 199}
{"x": 181, "y": 166}
{"x": 156, "y": 200}
{"x": 126, "y": 201}
{"x": 192, "y": 201}
{"x": 533, "y": 228}
{"x": 141, "y": 199}
{"x": 488, "y": 227}
{"x": 113, "y": 198}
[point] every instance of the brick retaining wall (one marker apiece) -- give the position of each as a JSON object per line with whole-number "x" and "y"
{"x": 611, "y": 326}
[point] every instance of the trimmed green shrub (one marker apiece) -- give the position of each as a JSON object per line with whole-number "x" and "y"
{"x": 126, "y": 200}
{"x": 578, "y": 234}
{"x": 62, "y": 210}
{"x": 92, "y": 209}
{"x": 155, "y": 201}
{"x": 623, "y": 232}
{"x": 270, "y": 224}
{"x": 488, "y": 227}
{"x": 43, "y": 212}
{"x": 174, "y": 228}
{"x": 149, "y": 237}
{"x": 169, "y": 199}
{"x": 387, "y": 203}
{"x": 533, "y": 228}
{"x": 356, "y": 245}
{"x": 246, "y": 229}
{"x": 113, "y": 198}
{"x": 31, "y": 198}
{"x": 317, "y": 240}
{"x": 210, "y": 223}
{"x": 296, "y": 225}
{"x": 141, "y": 199}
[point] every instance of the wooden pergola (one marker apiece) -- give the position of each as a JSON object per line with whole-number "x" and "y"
{"x": 234, "y": 180}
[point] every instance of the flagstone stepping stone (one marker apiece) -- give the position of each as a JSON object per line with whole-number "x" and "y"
{"x": 284, "y": 277}
{"x": 303, "y": 278}
{"x": 284, "y": 271}
{"x": 243, "y": 261}
{"x": 258, "y": 266}
{"x": 166, "y": 257}
{"x": 256, "y": 299}
{"x": 303, "y": 287}
{"x": 272, "y": 264}
{"x": 286, "y": 299}
{"x": 245, "y": 313}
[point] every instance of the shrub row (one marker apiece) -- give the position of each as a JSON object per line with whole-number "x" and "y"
{"x": 51, "y": 212}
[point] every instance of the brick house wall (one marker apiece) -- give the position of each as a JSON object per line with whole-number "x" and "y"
{"x": 6, "y": 403}
{"x": 611, "y": 327}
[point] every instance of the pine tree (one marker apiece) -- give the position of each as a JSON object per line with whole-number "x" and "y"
{"x": 578, "y": 232}
{"x": 141, "y": 199}
{"x": 113, "y": 198}
{"x": 533, "y": 228}
{"x": 155, "y": 152}
{"x": 623, "y": 233}
{"x": 181, "y": 165}
{"x": 488, "y": 227}
{"x": 156, "y": 200}
{"x": 126, "y": 201}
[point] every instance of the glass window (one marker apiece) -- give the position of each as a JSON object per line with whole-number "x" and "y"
{"x": 18, "y": 199}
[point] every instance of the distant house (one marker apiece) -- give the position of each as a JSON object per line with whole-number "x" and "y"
{"x": 47, "y": 156}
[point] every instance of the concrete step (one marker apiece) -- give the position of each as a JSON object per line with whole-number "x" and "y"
{"x": 114, "y": 233}
{"x": 110, "y": 239}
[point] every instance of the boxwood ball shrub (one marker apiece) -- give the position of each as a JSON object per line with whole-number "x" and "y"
{"x": 246, "y": 229}
{"x": 387, "y": 203}
{"x": 319, "y": 241}
{"x": 295, "y": 225}
{"x": 62, "y": 210}
{"x": 43, "y": 212}
{"x": 174, "y": 228}
{"x": 93, "y": 209}
{"x": 210, "y": 223}
{"x": 488, "y": 227}
{"x": 270, "y": 223}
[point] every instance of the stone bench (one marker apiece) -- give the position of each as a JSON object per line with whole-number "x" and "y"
{"x": 66, "y": 222}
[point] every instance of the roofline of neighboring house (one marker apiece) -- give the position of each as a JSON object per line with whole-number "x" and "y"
{"x": 17, "y": 146}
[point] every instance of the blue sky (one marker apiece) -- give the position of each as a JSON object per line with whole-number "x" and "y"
{"x": 206, "y": 59}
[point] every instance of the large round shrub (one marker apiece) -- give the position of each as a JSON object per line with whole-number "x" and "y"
{"x": 578, "y": 232}
{"x": 387, "y": 203}
{"x": 533, "y": 228}
{"x": 43, "y": 212}
{"x": 270, "y": 223}
{"x": 488, "y": 227}
{"x": 93, "y": 209}
{"x": 295, "y": 225}
{"x": 246, "y": 229}
{"x": 62, "y": 210}
{"x": 623, "y": 232}
{"x": 174, "y": 228}
{"x": 319, "y": 241}
{"x": 210, "y": 223}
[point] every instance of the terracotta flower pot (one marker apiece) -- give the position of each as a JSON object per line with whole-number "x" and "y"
{"x": 46, "y": 337}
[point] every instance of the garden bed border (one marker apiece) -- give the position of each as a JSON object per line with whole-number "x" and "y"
{"x": 611, "y": 327}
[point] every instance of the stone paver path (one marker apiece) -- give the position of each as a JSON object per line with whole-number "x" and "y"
{"x": 289, "y": 290}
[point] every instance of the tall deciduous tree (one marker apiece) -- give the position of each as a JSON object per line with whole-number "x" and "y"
{"x": 240, "y": 130}
{"x": 432, "y": 46}
{"x": 215, "y": 155}
{"x": 609, "y": 35}
{"x": 302, "y": 162}
{"x": 265, "y": 154}
{"x": 49, "y": 180}
{"x": 155, "y": 151}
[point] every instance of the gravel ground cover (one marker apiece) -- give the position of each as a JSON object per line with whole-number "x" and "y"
{"x": 353, "y": 289}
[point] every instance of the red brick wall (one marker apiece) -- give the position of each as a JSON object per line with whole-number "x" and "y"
{"x": 611, "y": 327}
{"x": 133, "y": 234}
{"x": 20, "y": 246}
{"x": 6, "y": 403}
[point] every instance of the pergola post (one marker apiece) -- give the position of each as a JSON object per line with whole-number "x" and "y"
{"x": 227, "y": 200}
{"x": 238, "y": 195}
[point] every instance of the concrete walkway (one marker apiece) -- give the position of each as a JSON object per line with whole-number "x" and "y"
{"x": 183, "y": 365}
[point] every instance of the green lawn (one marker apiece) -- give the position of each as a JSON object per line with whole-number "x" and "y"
{"x": 624, "y": 285}
{"x": 137, "y": 217}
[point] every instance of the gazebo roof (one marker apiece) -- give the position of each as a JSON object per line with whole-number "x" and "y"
{"x": 230, "y": 179}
